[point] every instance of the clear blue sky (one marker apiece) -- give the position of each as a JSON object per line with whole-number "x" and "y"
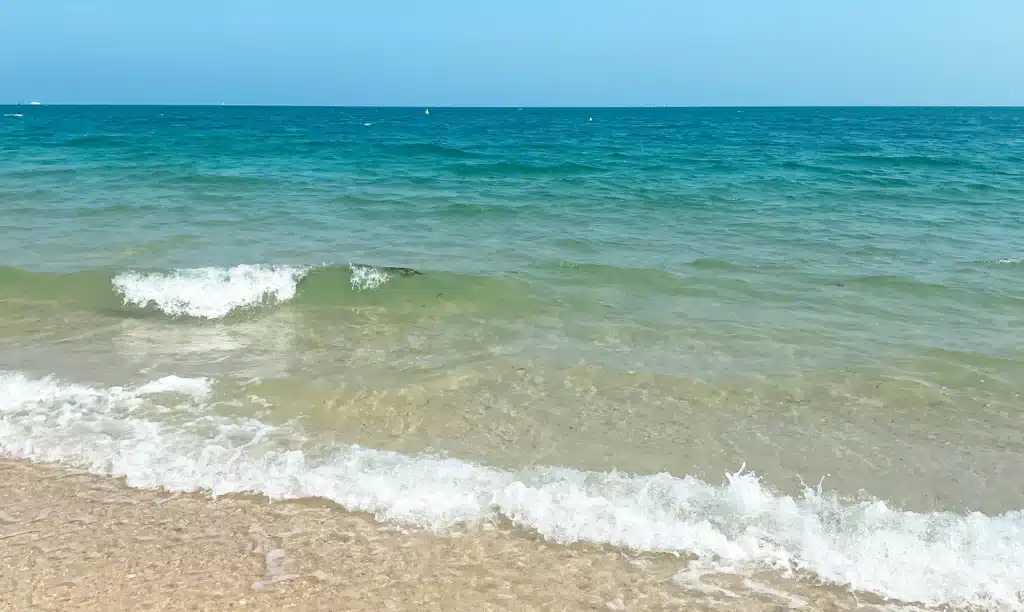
{"x": 526, "y": 52}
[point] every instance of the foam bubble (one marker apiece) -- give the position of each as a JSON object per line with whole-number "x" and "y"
{"x": 209, "y": 293}
{"x": 195, "y": 387}
{"x": 365, "y": 278}
{"x": 741, "y": 525}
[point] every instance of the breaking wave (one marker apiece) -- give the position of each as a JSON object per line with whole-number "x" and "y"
{"x": 213, "y": 293}
{"x": 164, "y": 434}
{"x": 209, "y": 293}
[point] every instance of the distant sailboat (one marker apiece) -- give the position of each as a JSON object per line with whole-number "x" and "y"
{"x": 426, "y": 112}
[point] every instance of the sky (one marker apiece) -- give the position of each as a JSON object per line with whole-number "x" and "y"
{"x": 522, "y": 53}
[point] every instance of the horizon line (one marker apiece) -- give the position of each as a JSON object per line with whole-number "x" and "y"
{"x": 515, "y": 106}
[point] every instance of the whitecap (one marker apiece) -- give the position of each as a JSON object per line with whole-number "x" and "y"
{"x": 365, "y": 278}
{"x": 209, "y": 293}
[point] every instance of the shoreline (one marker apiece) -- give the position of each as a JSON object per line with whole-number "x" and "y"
{"x": 73, "y": 541}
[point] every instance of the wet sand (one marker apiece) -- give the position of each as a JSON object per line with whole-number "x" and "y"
{"x": 73, "y": 541}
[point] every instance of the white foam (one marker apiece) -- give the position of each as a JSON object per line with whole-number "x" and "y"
{"x": 195, "y": 387}
{"x": 365, "y": 278}
{"x": 740, "y": 525}
{"x": 209, "y": 293}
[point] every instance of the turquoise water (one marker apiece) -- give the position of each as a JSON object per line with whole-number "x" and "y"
{"x": 831, "y": 294}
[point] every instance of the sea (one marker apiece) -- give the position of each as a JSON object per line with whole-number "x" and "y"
{"x": 775, "y": 353}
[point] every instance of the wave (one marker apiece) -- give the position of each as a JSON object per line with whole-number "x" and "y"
{"x": 368, "y": 277}
{"x": 209, "y": 293}
{"x": 213, "y": 293}
{"x": 163, "y": 434}
{"x": 218, "y": 292}
{"x": 1007, "y": 261}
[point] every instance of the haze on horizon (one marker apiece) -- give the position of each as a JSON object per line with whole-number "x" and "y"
{"x": 527, "y": 53}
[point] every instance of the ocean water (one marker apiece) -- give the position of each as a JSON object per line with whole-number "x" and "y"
{"x": 774, "y": 343}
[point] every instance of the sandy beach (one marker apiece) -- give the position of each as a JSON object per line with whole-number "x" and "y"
{"x": 73, "y": 541}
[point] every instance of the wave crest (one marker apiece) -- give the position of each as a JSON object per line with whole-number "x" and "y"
{"x": 365, "y": 278}
{"x": 210, "y": 293}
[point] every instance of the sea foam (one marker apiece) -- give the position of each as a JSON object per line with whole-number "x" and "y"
{"x": 210, "y": 293}
{"x": 367, "y": 277}
{"x": 163, "y": 434}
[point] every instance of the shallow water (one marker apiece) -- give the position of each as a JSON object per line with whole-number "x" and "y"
{"x": 659, "y": 330}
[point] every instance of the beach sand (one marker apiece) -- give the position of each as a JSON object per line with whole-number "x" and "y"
{"x": 73, "y": 541}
